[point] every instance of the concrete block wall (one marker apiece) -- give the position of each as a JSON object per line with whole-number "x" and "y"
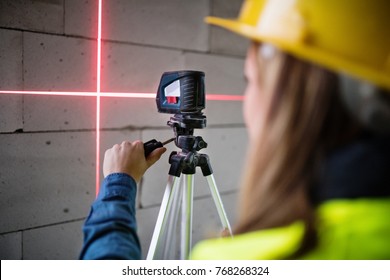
{"x": 47, "y": 143}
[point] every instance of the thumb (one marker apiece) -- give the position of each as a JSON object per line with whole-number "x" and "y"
{"x": 155, "y": 156}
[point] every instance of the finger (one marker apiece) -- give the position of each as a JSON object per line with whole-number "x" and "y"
{"x": 138, "y": 145}
{"x": 107, "y": 153}
{"x": 125, "y": 144}
{"x": 155, "y": 156}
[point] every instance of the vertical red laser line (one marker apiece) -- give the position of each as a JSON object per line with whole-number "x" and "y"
{"x": 98, "y": 76}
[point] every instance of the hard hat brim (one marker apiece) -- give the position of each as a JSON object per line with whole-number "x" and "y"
{"x": 306, "y": 52}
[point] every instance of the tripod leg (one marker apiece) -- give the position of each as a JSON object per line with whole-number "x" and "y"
{"x": 186, "y": 218}
{"x": 156, "y": 249}
{"x": 169, "y": 240}
{"x": 218, "y": 203}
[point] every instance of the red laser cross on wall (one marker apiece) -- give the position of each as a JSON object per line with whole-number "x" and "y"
{"x": 98, "y": 93}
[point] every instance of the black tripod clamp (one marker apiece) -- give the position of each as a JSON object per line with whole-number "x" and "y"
{"x": 186, "y": 163}
{"x": 188, "y": 159}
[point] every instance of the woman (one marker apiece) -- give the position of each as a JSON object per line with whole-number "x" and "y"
{"x": 317, "y": 180}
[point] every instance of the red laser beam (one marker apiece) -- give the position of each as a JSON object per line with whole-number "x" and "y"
{"x": 214, "y": 97}
{"x": 98, "y": 94}
{"x": 98, "y": 83}
{"x": 52, "y": 93}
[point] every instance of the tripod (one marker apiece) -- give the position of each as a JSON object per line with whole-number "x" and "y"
{"x": 179, "y": 192}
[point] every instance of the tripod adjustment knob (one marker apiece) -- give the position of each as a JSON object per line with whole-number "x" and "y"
{"x": 199, "y": 143}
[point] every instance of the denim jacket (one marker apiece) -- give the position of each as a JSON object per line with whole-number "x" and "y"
{"x": 110, "y": 231}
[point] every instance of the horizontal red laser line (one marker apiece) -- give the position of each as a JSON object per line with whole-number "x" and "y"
{"x": 216, "y": 97}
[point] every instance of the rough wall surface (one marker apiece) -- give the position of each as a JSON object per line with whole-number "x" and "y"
{"x": 47, "y": 143}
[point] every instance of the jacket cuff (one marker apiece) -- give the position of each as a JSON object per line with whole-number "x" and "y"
{"x": 117, "y": 186}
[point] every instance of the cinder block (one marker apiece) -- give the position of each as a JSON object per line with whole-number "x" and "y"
{"x": 59, "y": 63}
{"x": 206, "y": 222}
{"x": 226, "y": 42}
{"x": 11, "y": 246}
{"x": 172, "y": 23}
{"x": 11, "y": 59}
{"x": 226, "y": 149}
{"x": 50, "y": 177}
{"x": 45, "y": 113}
{"x": 81, "y": 18}
{"x": 45, "y": 16}
{"x": 131, "y": 113}
{"x": 223, "y": 41}
{"x": 224, "y": 113}
{"x": 57, "y": 242}
{"x": 11, "y": 112}
{"x": 127, "y": 68}
{"x": 45, "y": 178}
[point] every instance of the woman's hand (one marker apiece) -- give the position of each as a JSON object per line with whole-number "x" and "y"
{"x": 129, "y": 158}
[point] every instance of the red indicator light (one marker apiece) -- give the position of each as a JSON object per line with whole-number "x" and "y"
{"x": 172, "y": 99}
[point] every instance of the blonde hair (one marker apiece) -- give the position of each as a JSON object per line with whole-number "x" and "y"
{"x": 304, "y": 119}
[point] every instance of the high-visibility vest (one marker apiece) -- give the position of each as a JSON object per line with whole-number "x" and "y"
{"x": 347, "y": 229}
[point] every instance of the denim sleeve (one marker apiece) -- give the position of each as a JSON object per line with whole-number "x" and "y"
{"x": 110, "y": 231}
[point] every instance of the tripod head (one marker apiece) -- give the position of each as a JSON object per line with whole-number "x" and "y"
{"x": 183, "y": 127}
{"x": 188, "y": 159}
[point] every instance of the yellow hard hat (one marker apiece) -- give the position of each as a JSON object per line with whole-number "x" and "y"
{"x": 351, "y": 36}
